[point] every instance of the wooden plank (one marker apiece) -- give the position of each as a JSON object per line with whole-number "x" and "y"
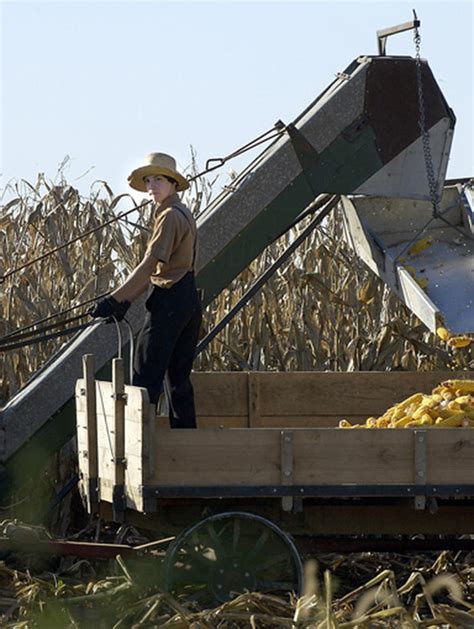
{"x": 330, "y": 393}
{"x": 310, "y": 394}
{"x": 234, "y": 421}
{"x": 321, "y": 456}
{"x": 217, "y": 457}
{"x": 92, "y": 475}
{"x": 252, "y": 457}
{"x": 220, "y": 394}
{"x": 210, "y": 421}
{"x": 118, "y": 385}
{"x": 450, "y": 455}
{"x": 305, "y": 421}
{"x": 330, "y": 456}
{"x": 81, "y": 432}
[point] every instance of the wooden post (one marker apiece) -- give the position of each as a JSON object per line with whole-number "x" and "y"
{"x": 92, "y": 445}
{"x": 118, "y": 386}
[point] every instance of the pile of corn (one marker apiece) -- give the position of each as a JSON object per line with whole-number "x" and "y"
{"x": 450, "y": 405}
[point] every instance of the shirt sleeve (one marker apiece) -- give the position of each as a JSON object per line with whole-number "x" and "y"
{"x": 164, "y": 237}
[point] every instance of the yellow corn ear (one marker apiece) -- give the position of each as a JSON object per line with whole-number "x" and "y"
{"x": 401, "y": 423}
{"x": 443, "y": 333}
{"x": 465, "y": 401}
{"x": 459, "y": 341}
{"x": 416, "y": 398}
{"x": 420, "y": 411}
{"x": 426, "y": 420}
{"x": 450, "y": 404}
{"x": 464, "y": 386}
{"x": 454, "y": 420}
{"x": 420, "y": 245}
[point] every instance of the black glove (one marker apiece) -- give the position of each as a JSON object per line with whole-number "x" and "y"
{"x": 109, "y": 308}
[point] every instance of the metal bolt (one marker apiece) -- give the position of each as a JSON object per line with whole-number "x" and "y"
{"x": 221, "y": 571}
{"x": 219, "y": 586}
{"x": 247, "y": 574}
{"x": 287, "y": 473}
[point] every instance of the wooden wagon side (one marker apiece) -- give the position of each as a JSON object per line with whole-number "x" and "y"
{"x": 267, "y": 451}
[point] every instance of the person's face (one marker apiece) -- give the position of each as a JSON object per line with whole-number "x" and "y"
{"x": 159, "y": 187}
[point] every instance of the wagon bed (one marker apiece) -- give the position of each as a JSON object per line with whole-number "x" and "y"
{"x": 268, "y": 443}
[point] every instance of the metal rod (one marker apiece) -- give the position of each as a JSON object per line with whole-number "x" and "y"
{"x": 383, "y": 33}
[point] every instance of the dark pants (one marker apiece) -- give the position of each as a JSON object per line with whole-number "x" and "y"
{"x": 166, "y": 347}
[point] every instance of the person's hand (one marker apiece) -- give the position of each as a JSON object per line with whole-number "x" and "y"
{"x": 109, "y": 308}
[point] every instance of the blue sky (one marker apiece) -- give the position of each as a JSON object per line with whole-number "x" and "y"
{"x": 107, "y": 82}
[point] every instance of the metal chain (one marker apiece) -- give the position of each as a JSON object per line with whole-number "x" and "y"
{"x": 425, "y": 136}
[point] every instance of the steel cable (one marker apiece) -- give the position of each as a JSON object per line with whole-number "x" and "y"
{"x": 222, "y": 160}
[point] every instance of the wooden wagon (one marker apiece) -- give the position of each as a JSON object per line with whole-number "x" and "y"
{"x": 266, "y": 460}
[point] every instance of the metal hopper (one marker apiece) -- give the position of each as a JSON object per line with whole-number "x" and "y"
{"x": 427, "y": 260}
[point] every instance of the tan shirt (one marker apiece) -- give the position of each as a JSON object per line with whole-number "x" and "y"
{"x": 172, "y": 243}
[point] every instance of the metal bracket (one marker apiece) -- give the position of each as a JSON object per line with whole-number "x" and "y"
{"x": 119, "y": 461}
{"x": 420, "y": 466}
{"x": 286, "y": 466}
{"x": 393, "y": 30}
{"x": 119, "y": 397}
{"x": 306, "y": 154}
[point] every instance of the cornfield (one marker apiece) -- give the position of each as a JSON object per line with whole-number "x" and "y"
{"x": 323, "y": 310}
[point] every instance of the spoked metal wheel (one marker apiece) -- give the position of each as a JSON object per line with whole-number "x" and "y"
{"x": 231, "y": 553}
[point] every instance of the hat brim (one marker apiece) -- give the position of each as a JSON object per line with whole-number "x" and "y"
{"x": 135, "y": 179}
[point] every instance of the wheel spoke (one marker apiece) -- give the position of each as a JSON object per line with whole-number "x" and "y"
{"x": 217, "y": 544}
{"x": 259, "y": 544}
{"x": 226, "y": 554}
{"x": 195, "y": 555}
{"x": 272, "y": 561}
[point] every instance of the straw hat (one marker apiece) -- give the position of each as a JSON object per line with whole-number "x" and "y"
{"x": 157, "y": 164}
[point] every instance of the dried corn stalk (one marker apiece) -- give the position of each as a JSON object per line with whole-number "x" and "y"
{"x": 324, "y": 310}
